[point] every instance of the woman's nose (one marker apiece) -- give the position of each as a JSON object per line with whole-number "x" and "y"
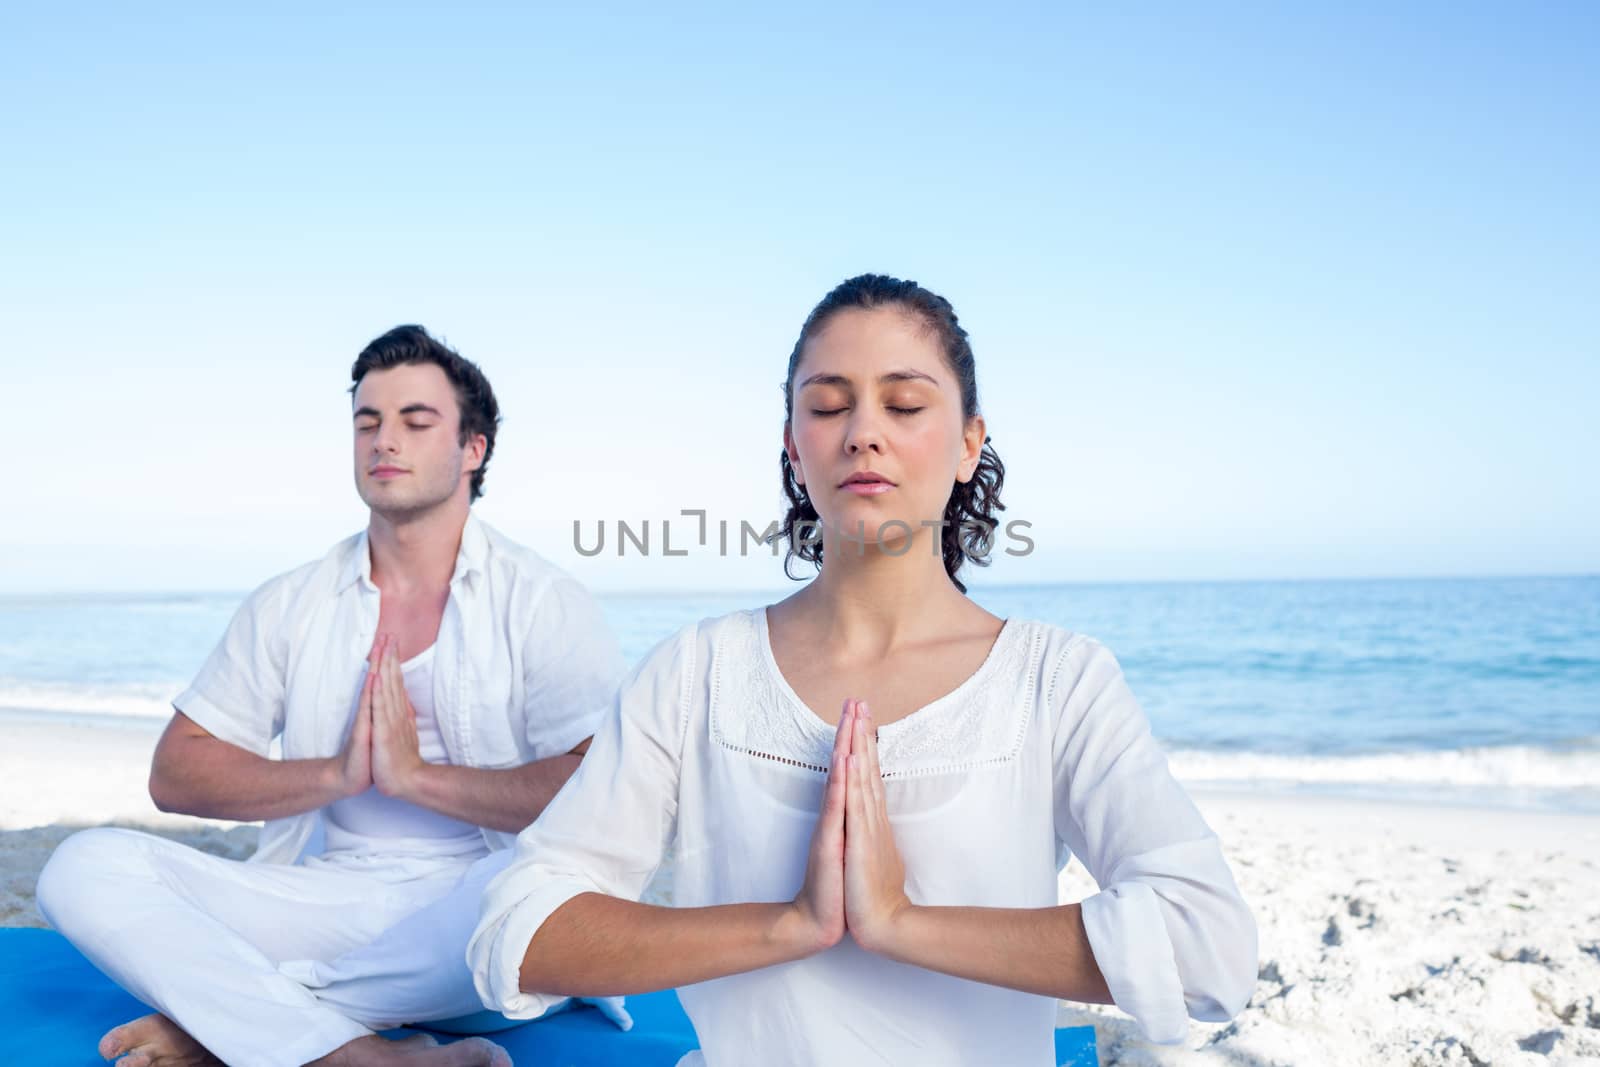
{"x": 863, "y": 436}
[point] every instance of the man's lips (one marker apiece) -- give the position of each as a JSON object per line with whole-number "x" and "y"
{"x": 387, "y": 472}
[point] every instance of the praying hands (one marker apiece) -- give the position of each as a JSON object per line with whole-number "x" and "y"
{"x": 855, "y": 878}
{"x": 383, "y": 748}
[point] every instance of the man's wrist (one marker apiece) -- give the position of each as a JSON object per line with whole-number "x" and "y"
{"x": 334, "y": 784}
{"x": 417, "y": 785}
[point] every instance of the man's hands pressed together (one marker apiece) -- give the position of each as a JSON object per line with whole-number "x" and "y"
{"x": 382, "y": 749}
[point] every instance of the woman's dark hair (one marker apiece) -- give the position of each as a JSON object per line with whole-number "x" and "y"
{"x": 475, "y": 399}
{"x": 970, "y": 516}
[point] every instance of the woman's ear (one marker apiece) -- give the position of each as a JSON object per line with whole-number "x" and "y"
{"x": 794, "y": 455}
{"x": 972, "y": 439}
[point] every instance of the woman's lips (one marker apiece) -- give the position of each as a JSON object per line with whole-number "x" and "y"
{"x": 867, "y": 488}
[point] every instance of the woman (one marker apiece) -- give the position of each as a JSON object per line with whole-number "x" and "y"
{"x": 915, "y": 919}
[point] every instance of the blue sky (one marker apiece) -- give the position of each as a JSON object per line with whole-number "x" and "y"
{"x": 1255, "y": 290}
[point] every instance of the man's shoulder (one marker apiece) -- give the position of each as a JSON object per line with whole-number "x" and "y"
{"x": 318, "y": 577}
{"x": 512, "y": 560}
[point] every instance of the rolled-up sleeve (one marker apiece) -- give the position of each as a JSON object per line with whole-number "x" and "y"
{"x": 605, "y": 832}
{"x": 1168, "y": 928}
{"x": 238, "y": 696}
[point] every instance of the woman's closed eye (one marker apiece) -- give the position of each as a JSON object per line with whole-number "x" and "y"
{"x": 820, "y": 412}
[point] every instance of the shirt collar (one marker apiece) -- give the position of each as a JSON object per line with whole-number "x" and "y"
{"x": 470, "y": 558}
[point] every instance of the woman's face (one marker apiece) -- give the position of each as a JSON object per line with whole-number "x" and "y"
{"x": 877, "y": 434}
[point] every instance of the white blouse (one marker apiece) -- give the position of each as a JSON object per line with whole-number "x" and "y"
{"x": 1042, "y": 753}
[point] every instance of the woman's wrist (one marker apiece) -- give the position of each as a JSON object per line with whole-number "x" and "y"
{"x": 888, "y": 935}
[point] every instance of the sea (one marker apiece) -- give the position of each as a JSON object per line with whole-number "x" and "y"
{"x": 1481, "y": 692}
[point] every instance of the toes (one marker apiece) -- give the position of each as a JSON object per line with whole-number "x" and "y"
{"x": 134, "y": 1059}
{"x": 476, "y": 1052}
{"x": 115, "y": 1043}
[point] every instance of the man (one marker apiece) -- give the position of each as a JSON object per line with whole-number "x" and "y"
{"x": 432, "y": 686}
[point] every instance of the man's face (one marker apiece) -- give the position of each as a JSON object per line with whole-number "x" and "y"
{"x": 407, "y": 428}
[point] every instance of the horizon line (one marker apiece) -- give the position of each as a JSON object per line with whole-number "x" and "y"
{"x": 972, "y": 587}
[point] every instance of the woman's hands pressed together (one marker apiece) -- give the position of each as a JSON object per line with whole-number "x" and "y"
{"x": 855, "y": 879}
{"x": 874, "y": 874}
{"x": 820, "y": 903}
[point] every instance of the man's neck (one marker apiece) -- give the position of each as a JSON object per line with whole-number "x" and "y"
{"x": 417, "y": 552}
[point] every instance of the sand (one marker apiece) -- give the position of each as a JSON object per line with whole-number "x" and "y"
{"x": 1399, "y": 934}
{"x": 1390, "y": 933}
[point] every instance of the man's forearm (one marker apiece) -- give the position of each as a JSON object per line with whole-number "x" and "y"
{"x": 506, "y": 799}
{"x": 215, "y": 780}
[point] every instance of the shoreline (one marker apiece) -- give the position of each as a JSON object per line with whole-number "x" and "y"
{"x": 28, "y": 727}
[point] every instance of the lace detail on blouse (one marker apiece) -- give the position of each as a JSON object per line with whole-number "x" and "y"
{"x": 982, "y": 721}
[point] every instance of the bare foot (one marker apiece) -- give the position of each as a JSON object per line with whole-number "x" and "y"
{"x": 154, "y": 1041}
{"x": 416, "y": 1051}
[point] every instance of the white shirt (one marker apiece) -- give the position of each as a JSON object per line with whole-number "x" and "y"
{"x": 1043, "y": 750}
{"x": 524, "y": 666}
{"x": 371, "y": 823}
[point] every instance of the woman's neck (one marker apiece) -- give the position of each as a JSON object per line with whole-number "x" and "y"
{"x": 871, "y": 599}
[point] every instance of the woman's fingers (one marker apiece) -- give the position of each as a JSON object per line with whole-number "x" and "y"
{"x": 874, "y": 769}
{"x": 861, "y": 779}
{"x": 833, "y": 798}
{"x": 841, "y": 735}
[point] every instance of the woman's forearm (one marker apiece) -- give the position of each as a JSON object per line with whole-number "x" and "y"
{"x": 595, "y": 945}
{"x": 1036, "y": 950}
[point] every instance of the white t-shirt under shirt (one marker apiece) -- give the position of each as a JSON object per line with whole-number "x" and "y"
{"x": 371, "y": 823}
{"x": 1042, "y": 753}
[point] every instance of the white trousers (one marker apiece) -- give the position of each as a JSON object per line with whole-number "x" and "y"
{"x": 267, "y": 964}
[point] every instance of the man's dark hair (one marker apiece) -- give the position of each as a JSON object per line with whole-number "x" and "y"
{"x": 475, "y": 399}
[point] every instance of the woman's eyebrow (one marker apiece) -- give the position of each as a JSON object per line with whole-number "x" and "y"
{"x": 890, "y": 378}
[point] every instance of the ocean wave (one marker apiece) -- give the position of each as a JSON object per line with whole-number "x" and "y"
{"x": 136, "y": 699}
{"x": 1521, "y": 767}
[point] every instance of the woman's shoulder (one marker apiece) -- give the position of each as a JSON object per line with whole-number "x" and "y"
{"x": 1052, "y": 641}
{"x": 1063, "y": 660}
{"x": 693, "y": 649}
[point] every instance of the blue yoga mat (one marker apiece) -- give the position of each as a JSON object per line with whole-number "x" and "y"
{"x": 57, "y": 1006}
